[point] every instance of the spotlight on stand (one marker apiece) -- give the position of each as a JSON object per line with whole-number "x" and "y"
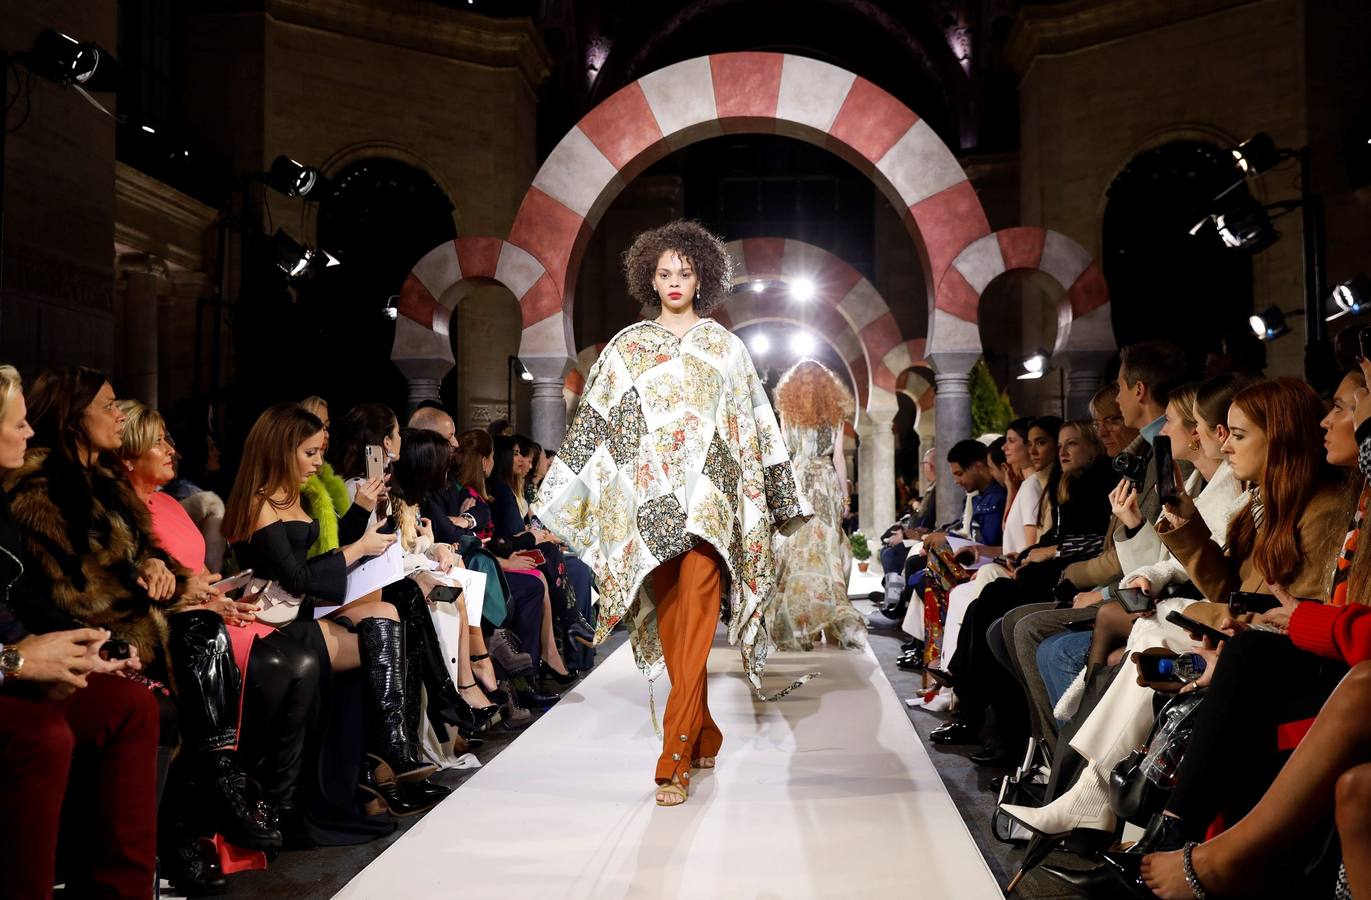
{"x": 392, "y": 307}
{"x": 1256, "y": 154}
{"x": 64, "y": 60}
{"x": 802, "y": 344}
{"x": 294, "y": 179}
{"x": 758, "y": 287}
{"x": 300, "y": 260}
{"x": 1352, "y": 298}
{"x": 760, "y": 343}
{"x": 1241, "y": 223}
{"x": 1269, "y": 325}
{"x": 802, "y": 289}
{"x": 1034, "y": 366}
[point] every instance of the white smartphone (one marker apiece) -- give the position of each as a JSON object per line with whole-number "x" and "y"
{"x": 376, "y": 461}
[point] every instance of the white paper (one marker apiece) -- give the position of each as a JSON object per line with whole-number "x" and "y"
{"x": 375, "y": 572}
{"x": 915, "y": 547}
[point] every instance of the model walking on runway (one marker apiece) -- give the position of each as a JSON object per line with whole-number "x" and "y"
{"x": 671, "y": 482}
{"x": 812, "y": 565}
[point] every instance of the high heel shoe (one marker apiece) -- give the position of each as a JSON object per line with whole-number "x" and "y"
{"x": 1084, "y": 807}
{"x": 552, "y": 674}
{"x": 481, "y": 714}
{"x": 380, "y": 644}
{"x": 579, "y": 630}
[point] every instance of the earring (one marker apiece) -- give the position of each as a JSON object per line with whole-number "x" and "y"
{"x": 128, "y": 465}
{"x": 1194, "y": 446}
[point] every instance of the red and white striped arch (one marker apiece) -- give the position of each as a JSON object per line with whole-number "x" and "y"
{"x": 426, "y": 298}
{"x": 1083, "y": 319}
{"x": 735, "y": 92}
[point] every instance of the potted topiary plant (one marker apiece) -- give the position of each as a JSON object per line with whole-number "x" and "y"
{"x": 860, "y": 551}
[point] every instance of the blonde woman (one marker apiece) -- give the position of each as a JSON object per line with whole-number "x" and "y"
{"x": 812, "y": 564}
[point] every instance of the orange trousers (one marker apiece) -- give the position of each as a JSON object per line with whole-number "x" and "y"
{"x": 687, "y": 589}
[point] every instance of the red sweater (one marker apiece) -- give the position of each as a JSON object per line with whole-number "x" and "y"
{"x": 1337, "y": 632}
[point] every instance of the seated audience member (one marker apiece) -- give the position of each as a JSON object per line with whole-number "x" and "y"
{"x": 326, "y": 494}
{"x": 198, "y": 482}
{"x": 272, "y": 533}
{"x": 74, "y": 738}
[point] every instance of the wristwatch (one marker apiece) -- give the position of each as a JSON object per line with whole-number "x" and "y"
{"x": 11, "y": 662}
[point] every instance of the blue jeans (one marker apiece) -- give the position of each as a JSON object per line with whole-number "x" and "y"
{"x": 892, "y": 558}
{"x": 1060, "y": 658}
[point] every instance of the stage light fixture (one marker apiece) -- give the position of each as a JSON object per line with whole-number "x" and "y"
{"x": 392, "y": 310}
{"x": 758, "y": 287}
{"x": 802, "y": 343}
{"x": 760, "y": 343}
{"x": 300, "y": 260}
{"x": 1269, "y": 325}
{"x": 64, "y": 60}
{"x": 1352, "y": 298}
{"x": 1243, "y": 224}
{"x": 294, "y": 179}
{"x": 1034, "y": 366}
{"x": 802, "y": 289}
{"x": 1256, "y": 154}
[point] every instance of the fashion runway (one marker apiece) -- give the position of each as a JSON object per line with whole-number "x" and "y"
{"x": 825, "y": 793}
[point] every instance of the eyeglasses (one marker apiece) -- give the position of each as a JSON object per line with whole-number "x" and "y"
{"x": 1108, "y": 422}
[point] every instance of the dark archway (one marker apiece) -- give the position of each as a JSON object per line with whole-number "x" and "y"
{"x": 1159, "y": 275}
{"x": 379, "y": 217}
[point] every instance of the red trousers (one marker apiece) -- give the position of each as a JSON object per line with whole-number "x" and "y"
{"x": 97, "y": 749}
{"x": 687, "y": 589}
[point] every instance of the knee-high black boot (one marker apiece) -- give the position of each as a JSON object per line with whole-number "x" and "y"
{"x": 445, "y": 704}
{"x": 208, "y": 687}
{"x": 380, "y": 643}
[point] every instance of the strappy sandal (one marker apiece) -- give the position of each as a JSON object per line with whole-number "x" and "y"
{"x": 673, "y": 793}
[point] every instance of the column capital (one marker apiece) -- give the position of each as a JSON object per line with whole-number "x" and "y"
{"x": 142, "y": 264}
{"x": 952, "y": 362}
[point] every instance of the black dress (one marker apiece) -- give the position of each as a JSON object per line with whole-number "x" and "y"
{"x": 328, "y": 812}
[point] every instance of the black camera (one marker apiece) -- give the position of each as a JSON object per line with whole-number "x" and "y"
{"x": 1131, "y": 466}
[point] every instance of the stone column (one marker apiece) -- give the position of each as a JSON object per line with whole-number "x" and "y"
{"x": 145, "y": 279}
{"x": 422, "y": 389}
{"x": 1084, "y": 375}
{"x": 952, "y": 405}
{"x": 876, "y": 472}
{"x": 424, "y": 357}
{"x": 548, "y": 408}
{"x": 548, "y": 402}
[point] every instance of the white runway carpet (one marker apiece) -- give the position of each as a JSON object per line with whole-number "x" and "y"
{"x": 825, "y": 793}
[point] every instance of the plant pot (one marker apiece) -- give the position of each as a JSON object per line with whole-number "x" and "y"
{"x": 863, "y": 566}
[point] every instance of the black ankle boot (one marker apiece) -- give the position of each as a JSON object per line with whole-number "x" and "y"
{"x": 235, "y": 817}
{"x": 193, "y": 868}
{"x": 381, "y": 646}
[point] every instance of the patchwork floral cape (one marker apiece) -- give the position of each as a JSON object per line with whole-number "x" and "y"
{"x": 674, "y": 442}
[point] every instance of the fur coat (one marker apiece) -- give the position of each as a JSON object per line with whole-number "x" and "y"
{"x": 88, "y": 535}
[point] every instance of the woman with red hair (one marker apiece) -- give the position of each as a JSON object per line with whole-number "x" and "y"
{"x": 812, "y": 564}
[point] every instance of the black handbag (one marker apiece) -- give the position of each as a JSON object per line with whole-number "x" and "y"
{"x": 1141, "y": 782}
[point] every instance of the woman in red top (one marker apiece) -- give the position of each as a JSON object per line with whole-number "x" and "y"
{"x": 1330, "y": 770}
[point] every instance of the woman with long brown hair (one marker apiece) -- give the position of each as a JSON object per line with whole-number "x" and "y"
{"x": 272, "y": 533}
{"x": 812, "y": 564}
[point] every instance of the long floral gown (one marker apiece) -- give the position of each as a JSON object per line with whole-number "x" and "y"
{"x": 812, "y": 564}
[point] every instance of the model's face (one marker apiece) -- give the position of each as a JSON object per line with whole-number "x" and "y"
{"x": 544, "y": 463}
{"x": 676, "y": 282}
{"x": 1016, "y": 450}
{"x": 14, "y": 433}
{"x": 488, "y": 464}
{"x": 103, "y": 422}
{"x": 930, "y": 471}
{"x": 1075, "y": 453}
{"x": 322, "y": 413}
{"x": 1114, "y": 434}
{"x": 309, "y": 456}
{"x": 157, "y": 465}
{"x": 1339, "y": 436}
{"x": 1042, "y": 448}
{"x": 1182, "y": 436}
{"x": 522, "y": 464}
{"x": 1246, "y": 446}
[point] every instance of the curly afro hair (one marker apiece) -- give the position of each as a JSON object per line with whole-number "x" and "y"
{"x": 811, "y": 396}
{"x": 704, "y": 250}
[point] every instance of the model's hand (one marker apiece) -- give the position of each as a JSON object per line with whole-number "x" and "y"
{"x": 374, "y": 543}
{"x": 1086, "y": 599}
{"x": 370, "y": 493}
{"x": 1183, "y": 509}
{"x": 467, "y": 505}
